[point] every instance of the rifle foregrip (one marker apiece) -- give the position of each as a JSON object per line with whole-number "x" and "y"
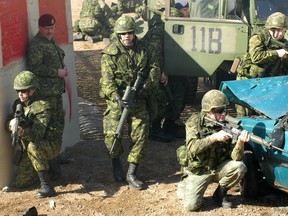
{"x": 259, "y": 140}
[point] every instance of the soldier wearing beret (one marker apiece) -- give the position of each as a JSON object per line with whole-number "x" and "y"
{"x": 46, "y": 60}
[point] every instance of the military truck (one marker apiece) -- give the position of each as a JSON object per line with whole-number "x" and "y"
{"x": 206, "y": 44}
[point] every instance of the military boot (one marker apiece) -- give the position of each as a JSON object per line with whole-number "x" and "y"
{"x": 131, "y": 177}
{"x": 157, "y": 133}
{"x": 78, "y": 36}
{"x": 46, "y": 190}
{"x": 93, "y": 39}
{"x": 220, "y": 197}
{"x": 118, "y": 172}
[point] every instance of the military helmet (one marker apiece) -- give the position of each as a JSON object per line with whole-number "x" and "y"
{"x": 25, "y": 80}
{"x": 124, "y": 24}
{"x": 213, "y": 99}
{"x": 277, "y": 20}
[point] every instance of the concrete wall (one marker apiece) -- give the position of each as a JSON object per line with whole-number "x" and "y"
{"x": 18, "y": 25}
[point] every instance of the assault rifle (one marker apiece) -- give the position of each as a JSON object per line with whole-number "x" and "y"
{"x": 128, "y": 100}
{"x": 279, "y": 43}
{"x": 232, "y": 127}
{"x": 16, "y": 142}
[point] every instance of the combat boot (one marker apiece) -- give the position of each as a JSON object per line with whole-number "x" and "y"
{"x": 157, "y": 133}
{"x": 131, "y": 177}
{"x": 118, "y": 172}
{"x": 46, "y": 190}
{"x": 93, "y": 39}
{"x": 220, "y": 197}
{"x": 78, "y": 36}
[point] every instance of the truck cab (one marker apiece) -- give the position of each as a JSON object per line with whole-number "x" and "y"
{"x": 217, "y": 31}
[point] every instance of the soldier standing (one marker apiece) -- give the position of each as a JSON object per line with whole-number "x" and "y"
{"x": 214, "y": 157}
{"x": 265, "y": 57}
{"x": 46, "y": 60}
{"x": 39, "y": 131}
{"x": 122, "y": 60}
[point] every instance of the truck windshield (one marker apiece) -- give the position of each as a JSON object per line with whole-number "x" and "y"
{"x": 266, "y": 7}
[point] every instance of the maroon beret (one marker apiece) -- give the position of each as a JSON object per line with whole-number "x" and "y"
{"x": 46, "y": 20}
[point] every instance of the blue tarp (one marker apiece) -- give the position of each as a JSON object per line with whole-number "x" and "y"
{"x": 267, "y": 95}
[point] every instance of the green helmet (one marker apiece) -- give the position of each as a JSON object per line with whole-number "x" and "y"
{"x": 277, "y": 20}
{"x": 213, "y": 99}
{"x": 124, "y": 24}
{"x": 25, "y": 80}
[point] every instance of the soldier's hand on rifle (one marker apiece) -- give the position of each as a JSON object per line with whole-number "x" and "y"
{"x": 281, "y": 53}
{"x": 220, "y": 136}
{"x": 12, "y": 125}
{"x": 243, "y": 137}
{"x": 119, "y": 101}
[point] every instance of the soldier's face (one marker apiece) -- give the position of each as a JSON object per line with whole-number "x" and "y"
{"x": 127, "y": 38}
{"x": 185, "y": 12}
{"x": 218, "y": 114}
{"x": 25, "y": 94}
{"x": 277, "y": 34}
{"x": 47, "y": 31}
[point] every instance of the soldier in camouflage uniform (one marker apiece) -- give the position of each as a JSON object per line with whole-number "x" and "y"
{"x": 212, "y": 155}
{"x": 96, "y": 21}
{"x": 128, "y": 6}
{"x": 39, "y": 131}
{"x": 46, "y": 60}
{"x": 155, "y": 38}
{"x": 265, "y": 57}
{"x": 120, "y": 64}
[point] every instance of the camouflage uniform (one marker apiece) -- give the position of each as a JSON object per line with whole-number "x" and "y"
{"x": 128, "y": 6}
{"x": 117, "y": 73}
{"x": 208, "y": 162}
{"x": 262, "y": 59}
{"x": 96, "y": 19}
{"x": 44, "y": 59}
{"x": 155, "y": 38}
{"x": 40, "y": 134}
{"x": 42, "y": 138}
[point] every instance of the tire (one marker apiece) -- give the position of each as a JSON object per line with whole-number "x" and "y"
{"x": 249, "y": 184}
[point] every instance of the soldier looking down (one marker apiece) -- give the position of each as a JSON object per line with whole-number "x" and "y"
{"x": 122, "y": 62}
{"x": 214, "y": 156}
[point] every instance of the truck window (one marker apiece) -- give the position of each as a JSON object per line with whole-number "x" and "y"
{"x": 266, "y": 7}
{"x": 204, "y": 8}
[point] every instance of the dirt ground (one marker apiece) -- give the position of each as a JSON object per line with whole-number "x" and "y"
{"x": 88, "y": 187}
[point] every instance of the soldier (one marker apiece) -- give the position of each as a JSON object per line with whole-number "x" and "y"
{"x": 96, "y": 21}
{"x": 183, "y": 7}
{"x": 211, "y": 150}
{"x": 122, "y": 60}
{"x": 265, "y": 57}
{"x": 46, "y": 60}
{"x": 128, "y": 6}
{"x": 155, "y": 37}
{"x": 39, "y": 132}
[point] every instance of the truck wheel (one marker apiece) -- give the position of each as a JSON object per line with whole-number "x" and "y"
{"x": 249, "y": 183}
